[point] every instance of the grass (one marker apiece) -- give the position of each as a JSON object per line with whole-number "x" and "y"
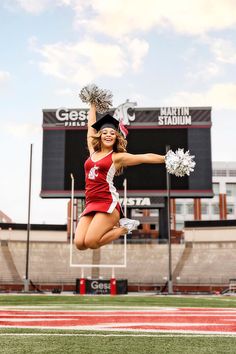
{"x": 117, "y": 344}
{"x": 100, "y": 300}
{"x": 91, "y": 342}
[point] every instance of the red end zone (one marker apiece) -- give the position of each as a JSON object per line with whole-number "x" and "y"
{"x": 181, "y": 320}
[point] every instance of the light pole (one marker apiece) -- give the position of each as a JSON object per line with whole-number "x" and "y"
{"x": 72, "y": 214}
{"x": 26, "y": 280}
{"x": 168, "y": 186}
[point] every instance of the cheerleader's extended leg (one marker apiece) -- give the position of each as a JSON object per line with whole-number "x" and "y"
{"x": 81, "y": 231}
{"x": 101, "y": 230}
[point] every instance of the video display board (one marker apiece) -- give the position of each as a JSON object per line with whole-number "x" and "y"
{"x": 150, "y": 130}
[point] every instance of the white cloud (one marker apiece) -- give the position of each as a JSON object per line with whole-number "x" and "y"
{"x": 119, "y": 18}
{"x": 223, "y": 96}
{"x": 82, "y": 61}
{"x": 22, "y": 130}
{"x": 219, "y": 96}
{"x": 223, "y": 52}
{"x": 223, "y": 49}
{"x": 137, "y": 50}
{"x": 206, "y": 72}
{"x": 35, "y": 7}
{"x": 85, "y": 61}
{"x": 4, "y": 78}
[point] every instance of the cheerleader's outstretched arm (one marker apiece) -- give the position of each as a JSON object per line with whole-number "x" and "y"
{"x": 126, "y": 159}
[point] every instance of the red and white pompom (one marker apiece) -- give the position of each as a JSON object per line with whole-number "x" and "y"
{"x": 179, "y": 163}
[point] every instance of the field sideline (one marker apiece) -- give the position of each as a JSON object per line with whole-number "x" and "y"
{"x": 32, "y": 323}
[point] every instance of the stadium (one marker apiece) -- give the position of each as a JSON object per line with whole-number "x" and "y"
{"x": 200, "y": 244}
{"x": 141, "y": 94}
{"x": 154, "y": 261}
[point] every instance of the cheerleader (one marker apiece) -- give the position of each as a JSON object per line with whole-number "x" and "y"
{"x": 101, "y": 221}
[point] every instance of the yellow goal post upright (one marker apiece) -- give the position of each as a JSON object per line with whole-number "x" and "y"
{"x": 89, "y": 265}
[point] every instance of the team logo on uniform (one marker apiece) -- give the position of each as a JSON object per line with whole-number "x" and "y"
{"x": 93, "y": 172}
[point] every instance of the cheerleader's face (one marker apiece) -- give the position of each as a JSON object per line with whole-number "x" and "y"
{"x": 108, "y": 137}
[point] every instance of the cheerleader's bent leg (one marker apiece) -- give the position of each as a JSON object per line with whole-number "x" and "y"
{"x": 101, "y": 230}
{"x": 81, "y": 230}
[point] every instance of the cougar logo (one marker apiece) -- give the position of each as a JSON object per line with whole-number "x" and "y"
{"x": 121, "y": 113}
{"x": 93, "y": 172}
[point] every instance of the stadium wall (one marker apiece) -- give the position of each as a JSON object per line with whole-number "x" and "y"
{"x": 206, "y": 260}
{"x": 195, "y": 265}
{"x": 38, "y": 232}
{"x": 210, "y": 231}
{"x": 194, "y": 231}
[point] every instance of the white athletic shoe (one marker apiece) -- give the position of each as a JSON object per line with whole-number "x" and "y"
{"x": 129, "y": 224}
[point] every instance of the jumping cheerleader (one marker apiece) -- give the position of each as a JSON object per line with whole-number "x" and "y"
{"x": 102, "y": 221}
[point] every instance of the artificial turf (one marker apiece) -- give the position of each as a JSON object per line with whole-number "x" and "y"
{"x": 117, "y": 344}
{"x": 100, "y": 300}
{"x": 91, "y": 342}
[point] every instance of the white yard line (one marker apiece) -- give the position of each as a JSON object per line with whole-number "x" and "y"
{"x": 89, "y": 307}
{"x": 157, "y": 310}
{"x": 158, "y": 324}
{"x": 113, "y": 308}
{"x": 151, "y": 335}
{"x": 55, "y": 317}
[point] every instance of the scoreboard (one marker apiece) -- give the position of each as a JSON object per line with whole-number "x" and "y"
{"x": 150, "y": 130}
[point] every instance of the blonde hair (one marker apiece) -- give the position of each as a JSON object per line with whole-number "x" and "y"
{"x": 119, "y": 145}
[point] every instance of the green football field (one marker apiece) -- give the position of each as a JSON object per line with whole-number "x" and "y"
{"x": 50, "y": 340}
{"x": 72, "y": 301}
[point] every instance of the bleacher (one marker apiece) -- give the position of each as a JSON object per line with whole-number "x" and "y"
{"x": 206, "y": 257}
{"x": 212, "y": 262}
{"x": 192, "y": 263}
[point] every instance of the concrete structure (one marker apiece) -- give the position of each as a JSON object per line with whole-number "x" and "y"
{"x": 4, "y": 217}
{"x": 210, "y": 231}
{"x": 207, "y": 258}
{"x": 38, "y": 232}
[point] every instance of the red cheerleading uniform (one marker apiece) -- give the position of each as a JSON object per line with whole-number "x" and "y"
{"x": 100, "y": 193}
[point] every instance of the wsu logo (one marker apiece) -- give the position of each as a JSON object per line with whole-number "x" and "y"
{"x": 121, "y": 113}
{"x": 93, "y": 172}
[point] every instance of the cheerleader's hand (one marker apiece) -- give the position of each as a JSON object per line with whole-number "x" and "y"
{"x": 100, "y": 97}
{"x": 179, "y": 163}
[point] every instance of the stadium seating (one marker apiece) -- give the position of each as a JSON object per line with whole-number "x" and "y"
{"x": 9, "y": 272}
{"x": 195, "y": 263}
{"x": 213, "y": 262}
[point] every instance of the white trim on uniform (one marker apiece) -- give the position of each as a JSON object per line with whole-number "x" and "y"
{"x": 114, "y": 194}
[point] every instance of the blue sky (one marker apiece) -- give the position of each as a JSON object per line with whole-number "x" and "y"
{"x": 180, "y": 53}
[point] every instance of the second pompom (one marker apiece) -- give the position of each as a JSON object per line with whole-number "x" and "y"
{"x": 179, "y": 163}
{"x": 100, "y": 97}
